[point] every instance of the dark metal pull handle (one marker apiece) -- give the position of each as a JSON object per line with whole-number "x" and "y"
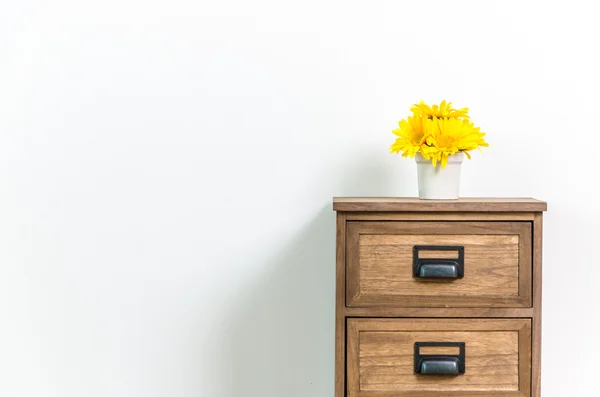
{"x": 440, "y": 364}
{"x": 439, "y": 267}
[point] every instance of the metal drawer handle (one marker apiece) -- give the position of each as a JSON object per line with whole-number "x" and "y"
{"x": 439, "y": 267}
{"x": 440, "y": 364}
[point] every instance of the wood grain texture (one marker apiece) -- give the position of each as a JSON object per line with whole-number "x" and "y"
{"x": 412, "y": 204}
{"x": 380, "y": 357}
{"x": 525, "y": 356}
{"x": 455, "y": 350}
{"x": 380, "y": 259}
{"x": 536, "y": 364}
{"x": 340, "y": 320}
{"x": 505, "y": 393}
{"x": 439, "y": 216}
{"x": 491, "y": 265}
{"x": 437, "y": 312}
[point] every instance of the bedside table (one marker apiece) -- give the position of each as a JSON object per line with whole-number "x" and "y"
{"x": 438, "y": 297}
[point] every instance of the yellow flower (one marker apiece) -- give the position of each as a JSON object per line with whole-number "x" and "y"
{"x": 450, "y": 137}
{"x": 445, "y": 110}
{"x": 411, "y": 135}
{"x": 437, "y": 132}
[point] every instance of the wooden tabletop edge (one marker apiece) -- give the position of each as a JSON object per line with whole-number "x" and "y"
{"x": 463, "y": 204}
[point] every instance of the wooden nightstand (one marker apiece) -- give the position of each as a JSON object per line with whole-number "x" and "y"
{"x": 438, "y": 298}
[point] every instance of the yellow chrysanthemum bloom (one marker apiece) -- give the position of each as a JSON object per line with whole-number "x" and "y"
{"x": 452, "y": 136}
{"x": 411, "y": 136}
{"x": 444, "y": 110}
{"x": 437, "y": 132}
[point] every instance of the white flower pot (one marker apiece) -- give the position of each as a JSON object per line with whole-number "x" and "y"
{"x": 437, "y": 183}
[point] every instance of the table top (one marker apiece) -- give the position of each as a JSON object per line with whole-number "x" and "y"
{"x": 414, "y": 204}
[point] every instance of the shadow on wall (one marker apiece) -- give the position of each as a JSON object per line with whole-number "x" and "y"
{"x": 281, "y": 336}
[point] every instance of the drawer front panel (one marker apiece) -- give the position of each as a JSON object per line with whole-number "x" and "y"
{"x": 438, "y": 264}
{"x": 381, "y": 357}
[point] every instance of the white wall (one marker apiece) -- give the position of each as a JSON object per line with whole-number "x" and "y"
{"x": 167, "y": 168}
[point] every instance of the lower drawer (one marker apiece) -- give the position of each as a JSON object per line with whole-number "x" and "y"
{"x": 438, "y": 357}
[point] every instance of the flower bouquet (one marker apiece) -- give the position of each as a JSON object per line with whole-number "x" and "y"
{"x": 438, "y": 137}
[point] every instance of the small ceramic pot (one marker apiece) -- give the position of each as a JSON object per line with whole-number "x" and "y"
{"x": 437, "y": 183}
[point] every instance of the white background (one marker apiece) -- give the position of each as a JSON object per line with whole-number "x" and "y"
{"x": 167, "y": 169}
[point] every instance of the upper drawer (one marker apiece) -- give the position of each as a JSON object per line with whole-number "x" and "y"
{"x": 385, "y": 262}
